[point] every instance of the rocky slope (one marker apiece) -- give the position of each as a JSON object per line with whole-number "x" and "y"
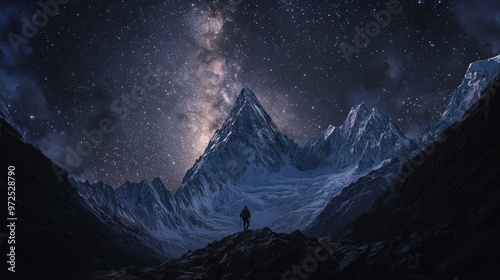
{"x": 355, "y": 199}
{"x": 475, "y": 82}
{"x": 57, "y": 235}
{"x": 455, "y": 186}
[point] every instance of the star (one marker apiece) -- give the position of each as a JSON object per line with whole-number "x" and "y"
{"x": 98, "y": 64}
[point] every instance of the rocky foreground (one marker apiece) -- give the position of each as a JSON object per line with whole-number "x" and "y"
{"x": 263, "y": 254}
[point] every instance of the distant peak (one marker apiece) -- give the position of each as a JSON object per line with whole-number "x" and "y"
{"x": 360, "y": 111}
{"x": 361, "y": 114}
{"x": 495, "y": 58}
{"x": 361, "y": 105}
{"x": 248, "y": 94}
{"x": 489, "y": 65}
{"x": 377, "y": 113}
{"x": 247, "y": 116}
{"x": 248, "y": 102}
{"x": 247, "y": 91}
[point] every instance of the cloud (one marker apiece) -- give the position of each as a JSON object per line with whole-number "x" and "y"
{"x": 395, "y": 68}
{"x": 20, "y": 85}
{"x": 53, "y": 147}
{"x": 481, "y": 21}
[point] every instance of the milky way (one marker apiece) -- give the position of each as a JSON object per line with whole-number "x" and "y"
{"x": 166, "y": 73}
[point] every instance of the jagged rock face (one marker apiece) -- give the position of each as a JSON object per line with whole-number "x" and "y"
{"x": 147, "y": 205}
{"x": 475, "y": 83}
{"x": 365, "y": 138}
{"x": 57, "y": 235}
{"x": 247, "y": 143}
{"x": 149, "y": 200}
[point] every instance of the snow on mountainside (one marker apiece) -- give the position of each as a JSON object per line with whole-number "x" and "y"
{"x": 249, "y": 162}
{"x": 248, "y": 141}
{"x": 474, "y": 84}
{"x": 246, "y": 145}
{"x": 366, "y": 137}
{"x": 148, "y": 205}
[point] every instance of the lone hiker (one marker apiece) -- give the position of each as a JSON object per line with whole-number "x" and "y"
{"x": 245, "y": 216}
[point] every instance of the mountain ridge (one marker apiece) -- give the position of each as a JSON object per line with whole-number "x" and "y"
{"x": 359, "y": 140}
{"x": 476, "y": 80}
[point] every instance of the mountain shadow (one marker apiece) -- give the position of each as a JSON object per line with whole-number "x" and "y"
{"x": 56, "y": 235}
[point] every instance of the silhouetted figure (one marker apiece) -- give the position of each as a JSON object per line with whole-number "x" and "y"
{"x": 245, "y": 216}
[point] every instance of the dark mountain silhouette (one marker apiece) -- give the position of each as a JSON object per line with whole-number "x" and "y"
{"x": 355, "y": 199}
{"x": 56, "y": 235}
{"x": 453, "y": 195}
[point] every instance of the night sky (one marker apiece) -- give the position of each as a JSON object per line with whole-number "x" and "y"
{"x": 161, "y": 76}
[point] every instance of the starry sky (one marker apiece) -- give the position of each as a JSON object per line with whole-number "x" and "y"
{"x": 156, "y": 78}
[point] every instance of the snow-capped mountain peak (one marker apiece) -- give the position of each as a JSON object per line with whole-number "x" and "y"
{"x": 356, "y": 115}
{"x": 247, "y": 119}
{"x": 476, "y": 78}
{"x": 360, "y": 119}
{"x": 366, "y": 137}
{"x": 473, "y": 86}
{"x": 247, "y": 144}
